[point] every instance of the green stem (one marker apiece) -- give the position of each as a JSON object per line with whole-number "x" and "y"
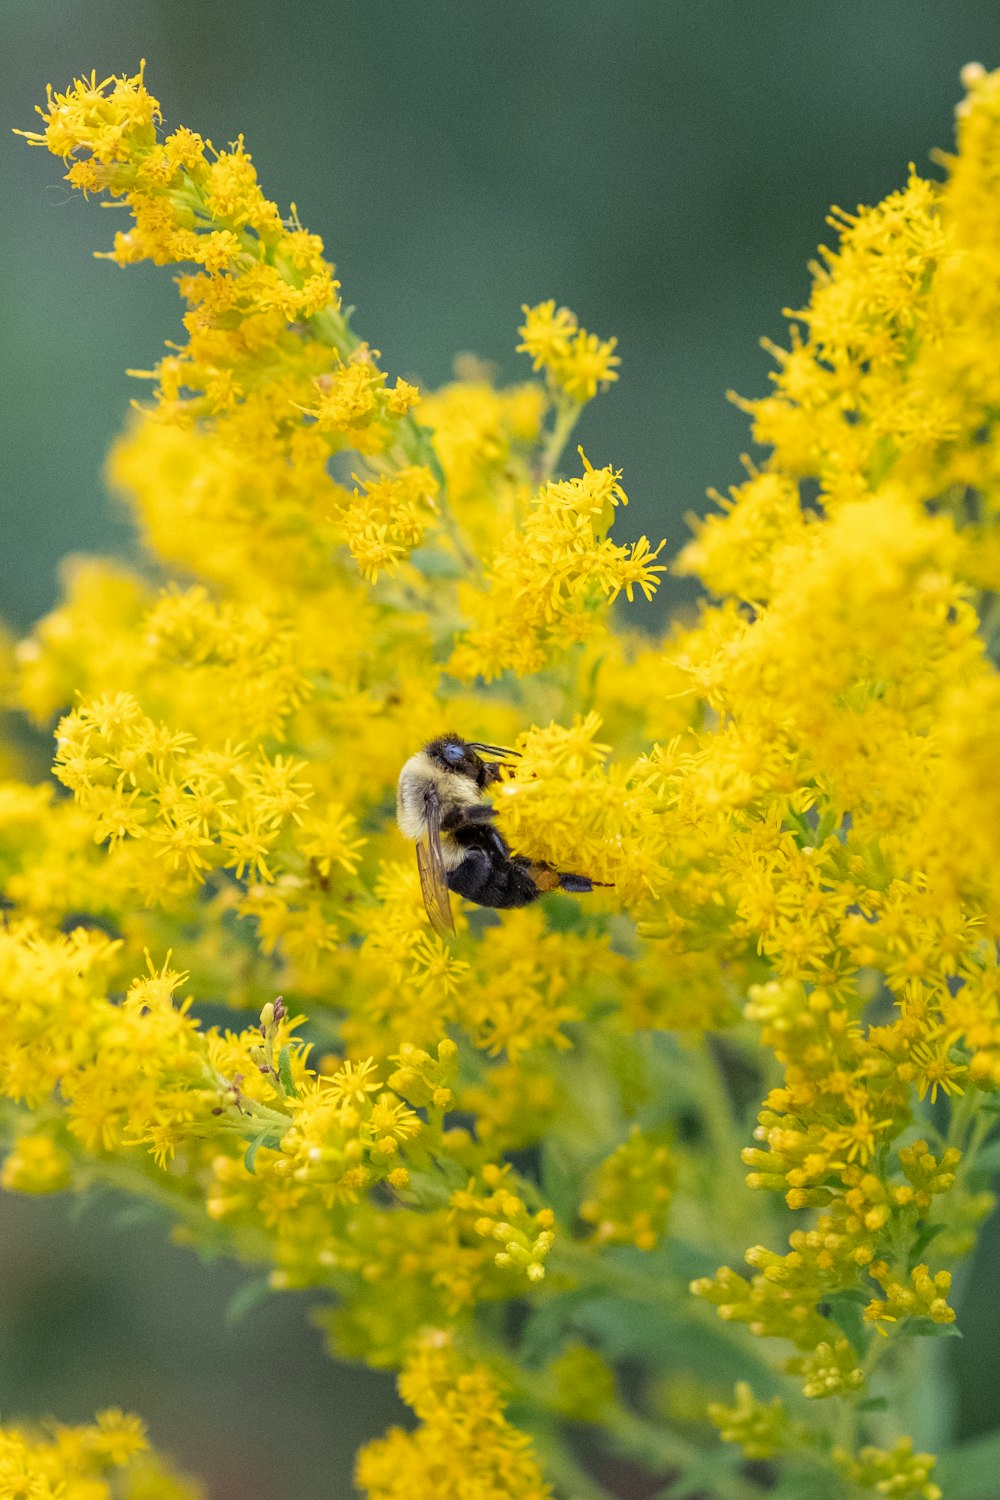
{"x": 847, "y": 1425}
{"x": 449, "y": 525}
{"x": 920, "y": 1402}
{"x": 962, "y": 1116}
{"x": 567, "y": 413}
{"x": 592, "y": 1267}
{"x": 981, "y": 1122}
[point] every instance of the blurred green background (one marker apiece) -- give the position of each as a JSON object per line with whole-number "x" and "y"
{"x": 664, "y": 170}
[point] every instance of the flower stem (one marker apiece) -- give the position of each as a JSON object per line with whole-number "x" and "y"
{"x": 567, "y": 413}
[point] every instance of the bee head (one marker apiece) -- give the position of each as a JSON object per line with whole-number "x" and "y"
{"x": 460, "y": 757}
{"x": 454, "y": 754}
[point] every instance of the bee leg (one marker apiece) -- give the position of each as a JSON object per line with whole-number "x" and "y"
{"x": 548, "y": 879}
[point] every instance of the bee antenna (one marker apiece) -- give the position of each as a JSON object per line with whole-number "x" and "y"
{"x": 493, "y": 749}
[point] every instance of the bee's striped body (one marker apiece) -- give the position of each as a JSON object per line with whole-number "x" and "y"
{"x": 441, "y": 804}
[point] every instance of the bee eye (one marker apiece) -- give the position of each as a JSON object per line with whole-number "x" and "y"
{"x": 454, "y": 754}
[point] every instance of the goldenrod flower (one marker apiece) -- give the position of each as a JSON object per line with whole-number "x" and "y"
{"x": 78, "y": 1461}
{"x": 574, "y": 360}
{"x": 787, "y": 806}
{"x": 464, "y": 1447}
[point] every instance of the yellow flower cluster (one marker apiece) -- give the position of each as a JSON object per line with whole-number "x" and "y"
{"x": 546, "y": 579}
{"x": 387, "y": 517}
{"x": 135, "y": 1072}
{"x": 788, "y": 807}
{"x": 271, "y": 380}
{"x": 501, "y": 1215}
{"x": 895, "y": 1471}
{"x": 926, "y": 1296}
{"x": 110, "y": 1460}
{"x": 275, "y": 1155}
{"x": 763, "y": 1430}
{"x": 141, "y": 782}
{"x": 485, "y": 438}
{"x": 574, "y": 360}
{"x": 585, "y": 1386}
{"x": 629, "y": 1194}
{"x": 464, "y": 1448}
{"x": 514, "y": 988}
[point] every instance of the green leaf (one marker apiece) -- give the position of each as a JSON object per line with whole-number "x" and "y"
{"x": 803, "y": 1480}
{"x": 884, "y": 455}
{"x": 846, "y": 1310}
{"x": 800, "y": 830}
{"x": 250, "y": 1294}
{"x": 455, "y": 1175}
{"x": 426, "y": 1189}
{"x": 874, "y": 1403}
{"x": 987, "y": 1159}
{"x": 688, "y": 1259}
{"x": 266, "y": 1138}
{"x": 684, "y": 1342}
{"x": 699, "y": 1477}
{"x": 547, "y": 1325}
{"x": 434, "y": 562}
{"x": 560, "y": 1181}
{"x": 138, "y": 1213}
{"x": 564, "y": 913}
{"x": 926, "y": 1328}
{"x": 923, "y": 1239}
{"x": 285, "y": 1071}
{"x": 969, "y": 1472}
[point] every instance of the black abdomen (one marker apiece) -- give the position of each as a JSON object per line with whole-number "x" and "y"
{"x": 492, "y": 879}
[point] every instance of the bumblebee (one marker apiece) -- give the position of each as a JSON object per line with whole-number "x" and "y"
{"x": 441, "y": 804}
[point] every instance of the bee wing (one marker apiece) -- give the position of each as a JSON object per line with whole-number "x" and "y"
{"x": 430, "y": 865}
